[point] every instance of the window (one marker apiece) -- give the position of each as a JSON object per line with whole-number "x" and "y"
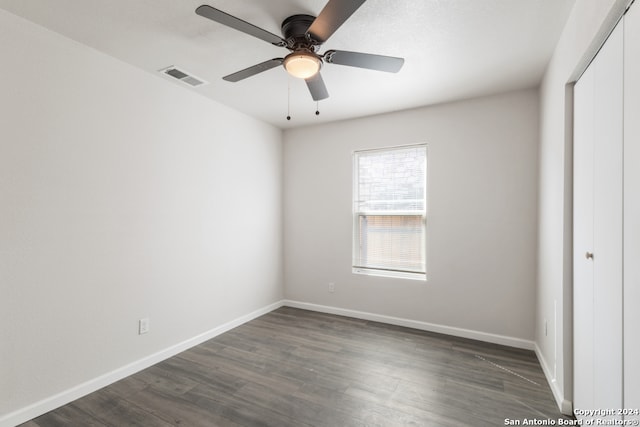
{"x": 389, "y": 212}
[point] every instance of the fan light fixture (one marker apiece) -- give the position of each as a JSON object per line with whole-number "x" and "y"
{"x": 302, "y": 64}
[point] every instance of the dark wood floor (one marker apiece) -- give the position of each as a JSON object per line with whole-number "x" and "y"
{"x": 299, "y": 368}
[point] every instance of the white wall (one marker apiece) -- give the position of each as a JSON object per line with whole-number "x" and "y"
{"x": 122, "y": 196}
{"x": 586, "y": 29}
{"x": 482, "y": 190}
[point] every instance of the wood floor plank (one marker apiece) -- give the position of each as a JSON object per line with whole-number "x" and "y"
{"x": 239, "y": 410}
{"x": 299, "y": 368}
{"x": 127, "y": 414}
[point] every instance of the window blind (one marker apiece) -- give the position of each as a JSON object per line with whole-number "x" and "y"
{"x": 389, "y": 207}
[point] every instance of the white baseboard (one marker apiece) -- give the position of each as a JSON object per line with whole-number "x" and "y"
{"x": 565, "y": 406}
{"x": 415, "y": 324}
{"x": 27, "y": 413}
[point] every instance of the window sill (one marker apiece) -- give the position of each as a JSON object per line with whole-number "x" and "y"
{"x": 392, "y": 274}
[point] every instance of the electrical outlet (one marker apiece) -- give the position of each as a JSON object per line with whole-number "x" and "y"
{"x": 332, "y": 287}
{"x": 143, "y": 326}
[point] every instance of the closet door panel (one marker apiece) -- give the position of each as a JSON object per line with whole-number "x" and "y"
{"x": 598, "y": 230}
{"x": 583, "y": 151}
{"x": 607, "y": 220}
{"x": 632, "y": 210}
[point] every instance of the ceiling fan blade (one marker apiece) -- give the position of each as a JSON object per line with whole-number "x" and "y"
{"x": 252, "y": 71}
{"x": 238, "y": 24}
{"x": 317, "y": 88}
{"x": 334, "y": 14}
{"x": 389, "y": 64}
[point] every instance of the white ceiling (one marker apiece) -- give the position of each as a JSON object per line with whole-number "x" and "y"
{"x": 453, "y": 49}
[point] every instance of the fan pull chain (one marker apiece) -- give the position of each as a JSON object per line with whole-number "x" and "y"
{"x": 288, "y": 99}
{"x": 317, "y": 108}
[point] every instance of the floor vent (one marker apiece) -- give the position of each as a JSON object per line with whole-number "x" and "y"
{"x": 183, "y": 76}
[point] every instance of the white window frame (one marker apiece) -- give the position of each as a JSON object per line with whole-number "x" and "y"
{"x": 358, "y": 213}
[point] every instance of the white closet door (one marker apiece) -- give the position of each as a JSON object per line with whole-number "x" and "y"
{"x": 583, "y": 164}
{"x": 632, "y": 210}
{"x": 598, "y": 230}
{"x": 607, "y": 220}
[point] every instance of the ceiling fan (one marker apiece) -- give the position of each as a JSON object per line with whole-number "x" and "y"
{"x": 303, "y": 36}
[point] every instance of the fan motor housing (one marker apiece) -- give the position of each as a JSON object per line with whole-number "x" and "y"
{"x": 295, "y": 27}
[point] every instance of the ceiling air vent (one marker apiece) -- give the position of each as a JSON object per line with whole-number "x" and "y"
{"x": 183, "y": 76}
